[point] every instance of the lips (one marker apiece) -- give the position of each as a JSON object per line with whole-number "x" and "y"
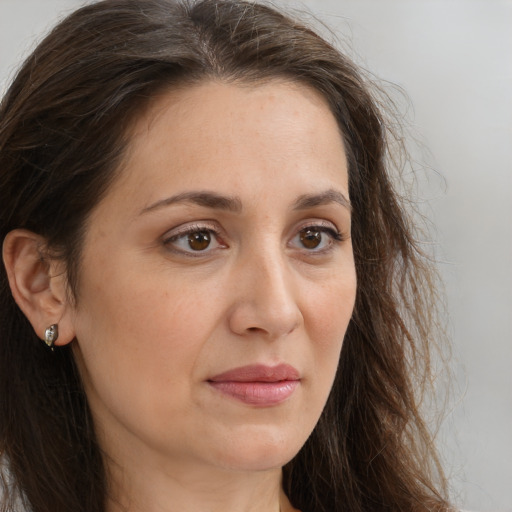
{"x": 258, "y": 385}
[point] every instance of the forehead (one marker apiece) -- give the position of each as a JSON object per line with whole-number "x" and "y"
{"x": 222, "y": 135}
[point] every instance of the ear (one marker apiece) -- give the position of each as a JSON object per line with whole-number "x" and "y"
{"x": 38, "y": 284}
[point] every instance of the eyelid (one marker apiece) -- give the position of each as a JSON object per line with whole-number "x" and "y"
{"x": 191, "y": 227}
{"x": 326, "y": 225}
{"x": 317, "y": 223}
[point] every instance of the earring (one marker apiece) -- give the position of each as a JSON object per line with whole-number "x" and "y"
{"x": 51, "y": 334}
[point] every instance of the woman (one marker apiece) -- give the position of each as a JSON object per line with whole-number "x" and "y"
{"x": 199, "y": 223}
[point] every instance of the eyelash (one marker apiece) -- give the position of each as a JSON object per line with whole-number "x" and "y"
{"x": 335, "y": 237}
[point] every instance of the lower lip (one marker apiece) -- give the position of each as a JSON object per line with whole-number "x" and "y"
{"x": 263, "y": 394}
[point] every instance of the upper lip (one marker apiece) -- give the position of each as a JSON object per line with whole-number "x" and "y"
{"x": 258, "y": 373}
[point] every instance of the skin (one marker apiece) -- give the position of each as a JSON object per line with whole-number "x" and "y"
{"x": 155, "y": 319}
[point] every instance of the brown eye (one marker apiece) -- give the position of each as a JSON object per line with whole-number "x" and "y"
{"x": 195, "y": 241}
{"x": 310, "y": 238}
{"x": 199, "y": 240}
{"x": 316, "y": 239}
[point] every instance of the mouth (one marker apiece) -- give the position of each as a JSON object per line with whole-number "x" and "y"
{"x": 258, "y": 385}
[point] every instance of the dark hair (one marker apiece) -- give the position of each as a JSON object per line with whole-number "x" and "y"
{"x": 63, "y": 133}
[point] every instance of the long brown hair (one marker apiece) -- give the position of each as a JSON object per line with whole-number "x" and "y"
{"x": 63, "y": 131}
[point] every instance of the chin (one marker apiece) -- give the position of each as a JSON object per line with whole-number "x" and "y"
{"x": 263, "y": 461}
{"x": 259, "y": 451}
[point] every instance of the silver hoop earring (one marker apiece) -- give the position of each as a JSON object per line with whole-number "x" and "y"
{"x": 51, "y": 334}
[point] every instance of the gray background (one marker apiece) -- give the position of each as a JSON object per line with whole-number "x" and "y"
{"x": 453, "y": 58}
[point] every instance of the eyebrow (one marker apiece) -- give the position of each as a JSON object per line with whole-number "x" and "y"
{"x": 323, "y": 198}
{"x": 207, "y": 199}
{"x": 234, "y": 204}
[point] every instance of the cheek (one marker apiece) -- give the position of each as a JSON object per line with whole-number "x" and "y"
{"x": 136, "y": 303}
{"x": 140, "y": 335}
{"x": 331, "y": 307}
{"x": 139, "y": 345}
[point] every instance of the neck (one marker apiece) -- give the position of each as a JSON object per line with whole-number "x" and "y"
{"x": 190, "y": 489}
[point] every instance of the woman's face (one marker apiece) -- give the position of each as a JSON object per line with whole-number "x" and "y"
{"x": 218, "y": 279}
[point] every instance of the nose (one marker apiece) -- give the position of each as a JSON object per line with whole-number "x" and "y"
{"x": 266, "y": 298}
